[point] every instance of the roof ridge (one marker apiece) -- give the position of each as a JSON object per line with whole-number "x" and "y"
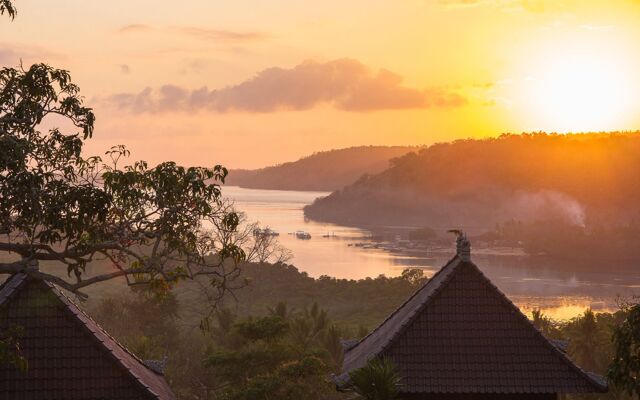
{"x": 141, "y": 361}
{"x": 11, "y": 285}
{"x": 394, "y": 312}
{"x": 523, "y": 318}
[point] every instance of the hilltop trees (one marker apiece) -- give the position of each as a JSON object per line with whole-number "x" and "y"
{"x": 578, "y": 178}
{"x": 325, "y": 170}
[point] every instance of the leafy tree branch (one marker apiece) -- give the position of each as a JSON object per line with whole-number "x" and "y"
{"x": 155, "y": 225}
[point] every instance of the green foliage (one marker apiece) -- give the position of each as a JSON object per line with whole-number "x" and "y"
{"x": 625, "y": 369}
{"x": 585, "y": 340}
{"x": 268, "y": 328}
{"x": 282, "y": 355}
{"x": 58, "y": 205}
{"x": 546, "y": 325}
{"x": 146, "y": 323}
{"x": 354, "y": 304}
{"x": 281, "y": 309}
{"x": 415, "y": 276}
{"x": 590, "y": 344}
{"x": 377, "y": 380}
{"x": 10, "y": 351}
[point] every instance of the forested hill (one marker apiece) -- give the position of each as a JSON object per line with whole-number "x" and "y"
{"x": 323, "y": 171}
{"x": 582, "y": 178}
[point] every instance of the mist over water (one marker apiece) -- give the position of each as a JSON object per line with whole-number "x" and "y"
{"x": 562, "y": 289}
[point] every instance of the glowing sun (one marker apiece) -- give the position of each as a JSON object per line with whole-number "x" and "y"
{"x": 572, "y": 91}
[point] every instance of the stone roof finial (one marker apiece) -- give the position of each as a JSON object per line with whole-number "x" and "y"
{"x": 463, "y": 245}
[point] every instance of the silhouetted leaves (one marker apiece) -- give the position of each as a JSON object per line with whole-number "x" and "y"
{"x": 8, "y": 7}
{"x": 58, "y": 205}
{"x": 377, "y": 380}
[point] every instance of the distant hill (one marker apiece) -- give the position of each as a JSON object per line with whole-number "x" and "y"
{"x": 475, "y": 184}
{"x": 322, "y": 171}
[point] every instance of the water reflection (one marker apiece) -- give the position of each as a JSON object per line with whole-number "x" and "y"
{"x": 562, "y": 289}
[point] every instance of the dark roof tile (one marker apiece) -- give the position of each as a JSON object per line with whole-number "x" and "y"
{"x": 460, "y": 334}
{"x": 70, "y": 356}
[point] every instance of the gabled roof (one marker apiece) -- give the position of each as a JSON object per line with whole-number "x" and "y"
{"x": 460, "y": 334}
{"x": 69, "y": 355}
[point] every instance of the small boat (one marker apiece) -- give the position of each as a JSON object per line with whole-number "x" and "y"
{"x": 303, "y": 235}
{"x": 265, "y": 232}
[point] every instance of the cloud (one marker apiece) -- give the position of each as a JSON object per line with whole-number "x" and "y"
{"x": 345, "y": 84}
{"x": 9, "y": 56}
{"x": 196, "y": 32}
{"x": 14, "y": 54}
{"x": 135, "y": 28}
{"x": 218, "y": 35}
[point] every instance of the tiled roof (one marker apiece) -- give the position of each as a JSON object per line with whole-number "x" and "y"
{"x": 460, "y": 334}
{"x": 69, "y": 355}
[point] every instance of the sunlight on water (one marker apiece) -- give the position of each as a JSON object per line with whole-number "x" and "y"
{"x": 562, "y": 290}
{"x": 568, "y": 310}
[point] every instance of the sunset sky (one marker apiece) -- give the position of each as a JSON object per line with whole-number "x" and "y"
{"x": 249, "y": 83}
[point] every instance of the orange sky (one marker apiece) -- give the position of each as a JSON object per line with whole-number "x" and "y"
{"x": 251, "y": 83}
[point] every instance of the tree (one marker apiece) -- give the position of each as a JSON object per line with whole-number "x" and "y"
{"x": 415, "y": 276}
{"x": 377, "y": 380}
{"x": 260, "y": 245}
{"x": 624, "y": 370}
{"x": 283, "y": 355}
{"x": 585, "y": 340}
{"x": 544, "y": 324}
{"x": 59, "y": 206}
{"x": 56, "y": 205}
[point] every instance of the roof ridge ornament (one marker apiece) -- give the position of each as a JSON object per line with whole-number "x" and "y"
{"x": 463, "y": 245}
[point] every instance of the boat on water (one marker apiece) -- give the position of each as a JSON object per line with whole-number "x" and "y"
{"x": 265, "y": 232}
{"x": 303, "y": 235}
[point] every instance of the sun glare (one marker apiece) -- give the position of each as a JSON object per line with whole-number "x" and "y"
{"x": 580, "y": 91}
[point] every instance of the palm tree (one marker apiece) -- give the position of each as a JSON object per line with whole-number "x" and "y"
{"x": 544, "y": 324}
{"x": 377, "y": 380}
{"x": 584, "y": 342}
{"x": 281, "y": 310}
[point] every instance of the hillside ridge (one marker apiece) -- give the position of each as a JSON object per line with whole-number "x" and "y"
{"x": 321, "y": 171}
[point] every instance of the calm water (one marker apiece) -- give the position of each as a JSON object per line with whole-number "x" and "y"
{"x": 563, "y": 290}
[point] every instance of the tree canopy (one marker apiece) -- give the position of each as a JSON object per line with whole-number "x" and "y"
{"x": 58, "y": 205}
{"x": 377, "y": 380}
{"x": 625, "y": 368}
{"x": 155, "y": 225}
